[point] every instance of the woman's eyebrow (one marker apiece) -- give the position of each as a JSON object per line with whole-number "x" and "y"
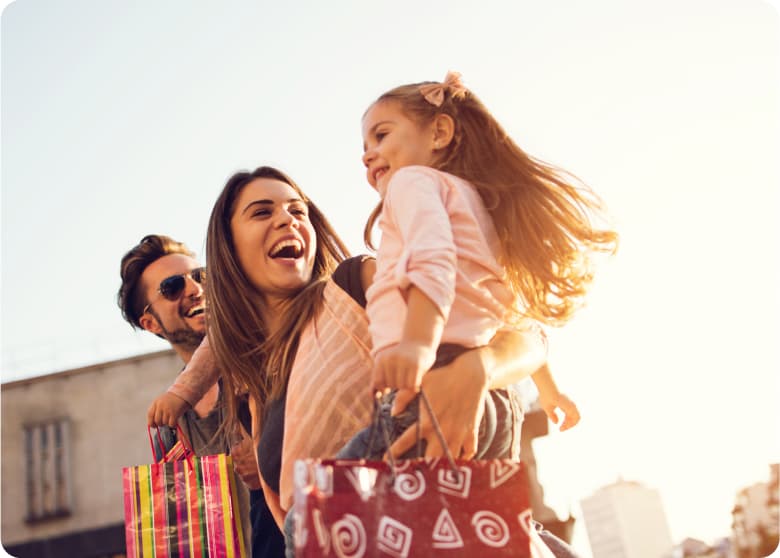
{"x": 269, "y": 202}
{"x": 257, "y": 202}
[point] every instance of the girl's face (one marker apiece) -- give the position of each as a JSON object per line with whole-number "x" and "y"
{"x": 274, "y": 240}
{"x": 391, "y": 141}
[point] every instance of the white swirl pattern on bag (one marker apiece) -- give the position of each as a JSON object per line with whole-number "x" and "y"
{"x": 456, "y": 483}
{"x": 490, "y": 528}
{"x": 393, "y": 537}
{"x": 409, "y": 486}
{"x": 364, "y": 480}
{"x": 349, "y": 537}
{"x": 301, "y": 474}
{"x": 321, "y": 530}
{"x": 445, "y": 532}
{"x": 300, "y": 532}
{"x": 323, "y": 479}
{"x": 501, "y": 471}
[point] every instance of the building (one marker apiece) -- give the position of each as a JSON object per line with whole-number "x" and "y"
{"x": 755, "y": 522}
{"x": 65, "y": 438}
{"x": 626, "y": 520}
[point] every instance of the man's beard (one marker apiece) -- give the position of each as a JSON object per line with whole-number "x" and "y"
{"x": 184, "y": 337}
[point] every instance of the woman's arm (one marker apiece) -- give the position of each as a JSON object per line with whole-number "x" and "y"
{"x": 271, "y": 496}
{"x": 272, "y": 499}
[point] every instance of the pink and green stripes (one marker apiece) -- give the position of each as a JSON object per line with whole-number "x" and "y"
{"x": 178, "y": 511}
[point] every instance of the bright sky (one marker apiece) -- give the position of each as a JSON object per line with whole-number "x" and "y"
{"x": 125, "y": 118}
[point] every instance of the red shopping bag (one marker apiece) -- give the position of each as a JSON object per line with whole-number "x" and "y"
{"x": 420, "y": 507}
{"x": 183, "y": 508}
{"x": 417, "y": 507}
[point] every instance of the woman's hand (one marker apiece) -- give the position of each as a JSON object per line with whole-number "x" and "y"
{"x": 456, "y": 393}
{"x": 244, "y": 460}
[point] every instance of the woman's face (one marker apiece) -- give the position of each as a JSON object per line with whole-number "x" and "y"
{"x": 274, "y": 240}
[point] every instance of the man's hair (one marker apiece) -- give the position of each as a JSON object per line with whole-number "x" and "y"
{"x": 152, "y": 247}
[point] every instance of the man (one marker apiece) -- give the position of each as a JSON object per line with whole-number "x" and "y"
{"x": 162, "y": 292}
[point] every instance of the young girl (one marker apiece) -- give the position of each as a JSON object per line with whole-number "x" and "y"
{"x": 476, "y": 235}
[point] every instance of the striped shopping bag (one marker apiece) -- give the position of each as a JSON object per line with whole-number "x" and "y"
{"x": 183, "y": 508}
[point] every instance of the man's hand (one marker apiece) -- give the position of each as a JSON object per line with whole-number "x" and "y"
{"x": 166, "y": 410}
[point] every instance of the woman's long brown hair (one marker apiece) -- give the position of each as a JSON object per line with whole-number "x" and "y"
{"x": 548, "y": 223}
{"x": 250, "y": 357}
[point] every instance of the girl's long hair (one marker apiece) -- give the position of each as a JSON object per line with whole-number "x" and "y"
{"x": 548, "y": 223}
{"x": 250, "y": 358}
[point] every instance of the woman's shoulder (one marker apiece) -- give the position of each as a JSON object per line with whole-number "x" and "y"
{"x": 354, "y": 275}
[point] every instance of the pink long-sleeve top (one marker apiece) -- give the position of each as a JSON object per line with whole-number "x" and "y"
{"x": 438, "y": 236}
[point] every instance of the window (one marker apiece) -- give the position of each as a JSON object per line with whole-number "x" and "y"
{"x": 47, "y": 469}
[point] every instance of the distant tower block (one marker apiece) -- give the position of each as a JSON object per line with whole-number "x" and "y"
{"x": 626, "y": 520}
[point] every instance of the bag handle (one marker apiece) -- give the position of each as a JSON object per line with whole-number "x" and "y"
{"x": 382, "y": 426}
{"x": 188, "y": 452}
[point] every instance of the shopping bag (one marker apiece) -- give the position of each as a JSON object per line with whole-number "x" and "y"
{"x": 415, "y": 507}
{"x": 183, "y": 508}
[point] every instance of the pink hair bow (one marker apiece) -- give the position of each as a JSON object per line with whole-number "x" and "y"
{"x": 434, "y": 92}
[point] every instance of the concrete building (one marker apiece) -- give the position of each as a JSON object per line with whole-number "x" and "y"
{"x": 65, "y": 438}
{"x": 626, "y": 520}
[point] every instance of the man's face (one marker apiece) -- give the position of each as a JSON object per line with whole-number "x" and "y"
{"x": 181, "y": 321}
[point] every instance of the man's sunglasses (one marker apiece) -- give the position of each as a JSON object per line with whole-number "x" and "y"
{"x": 172, "y": 287}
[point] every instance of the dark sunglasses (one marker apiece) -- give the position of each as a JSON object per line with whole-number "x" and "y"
{"x": 171, "y": 287}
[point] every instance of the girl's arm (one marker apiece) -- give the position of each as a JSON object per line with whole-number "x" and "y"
{"x": 191, "y": 385}
{"x": 404, "y": 364}
{"x": 416, "y": 220}
{"x": 550, "y": 399}
{"x": 457, "y": 391}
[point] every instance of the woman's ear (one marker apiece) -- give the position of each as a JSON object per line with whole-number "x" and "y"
{"x": 443, "y": 131}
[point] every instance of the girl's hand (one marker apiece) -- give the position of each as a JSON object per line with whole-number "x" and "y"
{"x": 402, "y": 366}
{"x": 456, "y": 393}
{"x": 166, "y": 410}
{"x": 567, "y": 407}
